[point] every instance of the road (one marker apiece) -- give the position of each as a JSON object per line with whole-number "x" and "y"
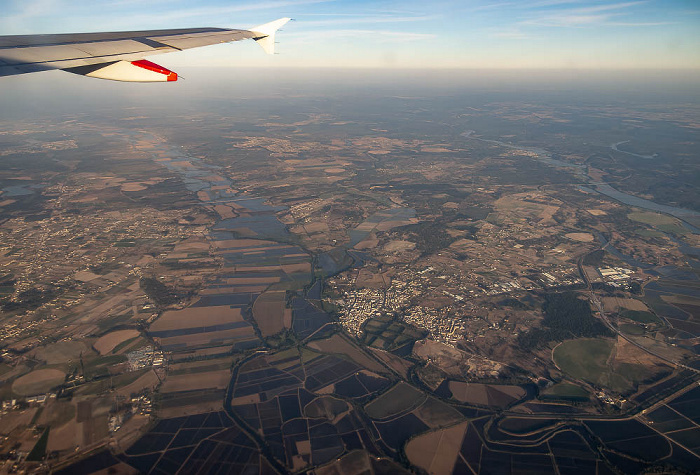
{"x": 599, "y": 305}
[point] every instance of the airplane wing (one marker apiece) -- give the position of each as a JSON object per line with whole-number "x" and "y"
{"x": 118, "y": 56}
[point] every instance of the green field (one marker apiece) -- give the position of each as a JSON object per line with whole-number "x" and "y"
{"x": 672, "y": 228}
{"x": 584, "y": 358}
{"x": 387, "y": 334}
{"x": 640, "y": 316}
{"x": 631, "y": 329}
{"x": 587, "y": 359}
{"x": 106, "y": 383}
{"x": 565, "y": 391}
{"x": 661, "y": 222}
{"x": 649, "y": 233}
{"x": 653, "y": 219}
{"x": 398, "y": 399}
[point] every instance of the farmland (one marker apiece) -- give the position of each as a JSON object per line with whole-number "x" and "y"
{"x": 38, "y": 381}
{"x": 270, "y": 396}
{"x": 387, "y": 333}
{"x": 499, "y": 396}
{"x": 620, "y": 365}
{"x": 108, "y": 343}
{"x": 269, "y": 312}
{"x": 199, "y": 326}
{"x": 62, "y": 351}
{"x": 341, "y": 345}
{"x": 566, "y": 391}
{"x": 585, "y": 358}
{"x": 398, "y": 399}
{"x": 350, "y": 282}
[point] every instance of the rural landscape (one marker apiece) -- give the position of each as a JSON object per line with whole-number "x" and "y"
{"x": 347, "y": 282}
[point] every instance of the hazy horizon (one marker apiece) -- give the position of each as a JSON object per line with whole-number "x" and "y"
{"x": 43, "y": 92}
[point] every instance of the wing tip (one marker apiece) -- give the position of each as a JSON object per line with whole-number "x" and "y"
{"x": 266, "y": 33}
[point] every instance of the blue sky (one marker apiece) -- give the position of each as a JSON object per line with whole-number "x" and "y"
{"x": 656, "y": 34}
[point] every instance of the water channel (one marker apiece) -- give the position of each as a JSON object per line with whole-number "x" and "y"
{"x": 606, "y": 189}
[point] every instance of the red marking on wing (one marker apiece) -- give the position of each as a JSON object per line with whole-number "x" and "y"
{"x": 142, "y": 63}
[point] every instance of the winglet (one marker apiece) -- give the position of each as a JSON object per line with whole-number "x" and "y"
{"x": 266, "y": 34}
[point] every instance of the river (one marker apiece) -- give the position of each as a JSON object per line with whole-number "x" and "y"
{"x": 545, "y": 156}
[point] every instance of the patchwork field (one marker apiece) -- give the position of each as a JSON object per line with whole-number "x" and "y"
{"x": 340, "y": 345}
{"x": 398, "y": 399}
{"x": 460, "y": 449}
{"x": 618, "y": 366}
{"x": 382, "y": 221}
{"x": 392, "y": 335}
{"x": 201, "y": 326}
{"x": 517, "y": 207}
{"x": 431, "y": 413}
{"x": 292, "y": 398}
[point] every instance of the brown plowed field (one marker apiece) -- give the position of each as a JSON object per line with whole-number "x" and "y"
{"x": 38, "y": 382}
{"x": 110, "y": 341}
{"x": 196, "y": 317}
{"x": 268, "y": 312}
{"x": 191, "y": 382}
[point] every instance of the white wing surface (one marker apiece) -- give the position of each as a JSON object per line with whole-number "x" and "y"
{"x": 119, "y": 55}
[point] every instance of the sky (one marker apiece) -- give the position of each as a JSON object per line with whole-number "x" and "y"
{"x": 439, "y": 34}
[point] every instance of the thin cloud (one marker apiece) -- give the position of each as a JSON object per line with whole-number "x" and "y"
{"x": 611, "y": 6}
{"x": 24, "y": 15}
{"x": 588, "y": 16}
{"x": 20, "y": 10}
{"x": 511, "y": 35}
{"x": 641, "y": 23}
{"x": 552, "y": 3}
{"x": 492, "y": 6}
{"x": 370, "y": 20}
{"x": 380, "y": 35}
{"x": 219, "y": 11}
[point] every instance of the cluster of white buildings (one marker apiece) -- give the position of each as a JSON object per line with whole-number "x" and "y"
{"x": 615, "y": 274}
{"x": 145, "y": 357}
{"x": 37, "y": 399}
